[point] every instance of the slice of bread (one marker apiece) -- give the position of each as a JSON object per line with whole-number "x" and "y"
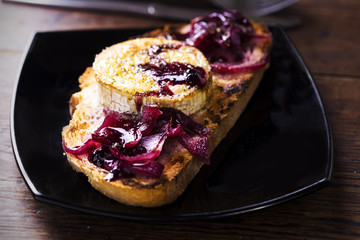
{"x": 230, "y": 95}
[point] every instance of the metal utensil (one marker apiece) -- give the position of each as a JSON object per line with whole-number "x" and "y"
{"x": 165, "y": 9}
{"x": 254, "y": 8}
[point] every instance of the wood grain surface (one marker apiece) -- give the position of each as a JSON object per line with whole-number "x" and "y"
{"x": 329, "y": 41}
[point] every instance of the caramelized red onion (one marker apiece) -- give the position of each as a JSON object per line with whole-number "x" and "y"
{"x": 224, "y": 38}
{"x": 241, "y": 67}
{"x": 89, "y": 147}
{"x": 149, "y": 148}
{"x": 128, "y": 145}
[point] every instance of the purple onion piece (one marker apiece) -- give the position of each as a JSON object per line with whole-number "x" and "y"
{"x": 116, "y": 119}
{"x": 150, "y": 170}
{"x": 149, "y": 148}
{"x": 148, "y": 119}
{"x": 174, "y": 131}
{"x": 196, "y": 145}
{"x": 186, "y": 122}
{"x": 88, "y": 147}
{"x": 241, "y": 67}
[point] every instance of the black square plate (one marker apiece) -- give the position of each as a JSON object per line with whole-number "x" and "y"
{"x": 280, "y": 148}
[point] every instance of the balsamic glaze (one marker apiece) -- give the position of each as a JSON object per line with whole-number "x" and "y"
{"x": 165, "y": 73}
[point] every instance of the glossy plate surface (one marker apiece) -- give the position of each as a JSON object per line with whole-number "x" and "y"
{"x": 280, "y": 148}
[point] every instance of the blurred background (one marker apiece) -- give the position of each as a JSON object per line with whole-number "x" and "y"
{"x": 171, "y": 9}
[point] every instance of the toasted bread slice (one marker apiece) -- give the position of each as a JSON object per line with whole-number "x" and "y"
{"x": 230, "y": 95}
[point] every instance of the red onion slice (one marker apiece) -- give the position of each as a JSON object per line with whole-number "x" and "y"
{"x": 150, "y": 170}
{"x": 148, "y": 119}
{"x": 186, "y": 122}
{"x": 152, "y": 145}
{"x": 196, "y": 145}
{"x": 89, "y": 147}
{"x": 242, "y": 67}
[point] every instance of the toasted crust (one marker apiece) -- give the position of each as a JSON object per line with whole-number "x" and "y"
{"x": 228, "y": 101}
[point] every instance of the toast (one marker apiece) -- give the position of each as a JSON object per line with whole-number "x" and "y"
{"x": 230, "y": 93}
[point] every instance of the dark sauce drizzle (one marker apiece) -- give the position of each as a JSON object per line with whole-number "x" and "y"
{"x": 165, "y": 73}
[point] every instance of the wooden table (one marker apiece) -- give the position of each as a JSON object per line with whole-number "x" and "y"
{"x": 329, "y": 41}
